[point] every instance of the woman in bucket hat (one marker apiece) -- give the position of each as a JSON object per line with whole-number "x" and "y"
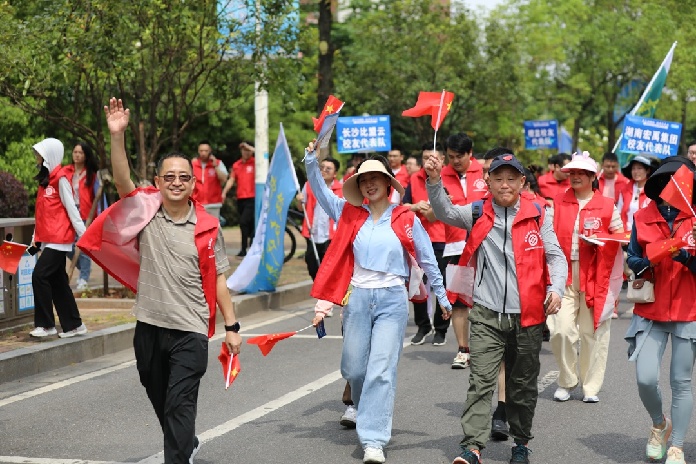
{"x": 632, "y": 197}
{"x": 374, "y": 250}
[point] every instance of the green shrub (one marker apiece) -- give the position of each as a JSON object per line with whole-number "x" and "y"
{"x": 14, "y": 199}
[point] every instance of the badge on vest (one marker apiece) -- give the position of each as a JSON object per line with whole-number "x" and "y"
{"x": 533, "y": 240}
{"x": 688, "y": 238}
{"x": 49, "y": 191}
{"x": 480, "y": 185}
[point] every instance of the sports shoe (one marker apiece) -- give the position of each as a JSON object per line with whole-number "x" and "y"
{"x": 591, "y": 399}
{"x": 615, "y": 314}
{"x": 419, "y": 338}
{"x": 461, "y": 361}
{"x": 562, "y": 394}
{"x": 520, "y": 454}
{"x": 43, "y": 331}
{"x": 657, "y": 443}
{"x": 675, "y": 456}
{"x": 349, "y": 418}
{"x": 469, "y": 456}
{"x": 374, "y": 455}
{"x": 439, "y": 339}
{"x": 81, "y": 330}
{"x": 82, "y": 285}
{"x": 196, "y": 448}
{"x": 499, "y": 430}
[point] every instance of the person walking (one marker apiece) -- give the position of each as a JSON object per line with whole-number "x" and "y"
{"x": 243, "y": 174}
{"x": 58, "y": 222}
{"x": 211, "y": 174}
{"x": 555, "y": 182}
{"x": 633, "y": 196}
{"x": 511, "y": 235}
{"x": 165, "y": 245}
{"x": 375, "y": 244}
{"x": 671, "y": 315}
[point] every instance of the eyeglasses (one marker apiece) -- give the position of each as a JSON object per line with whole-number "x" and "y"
{"x": 171, "y": 177}
{"x": 328, "y": 169}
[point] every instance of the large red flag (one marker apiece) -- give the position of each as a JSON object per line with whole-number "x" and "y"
{"x": 10, "y": 254}
{"x": 680, "y": 190}
{"x": 230, "y": 365}
{"x": 332, "y": 105}
{"x": 267, "y": 342}
{"x": 434, "y": 104}
{"x": 662, "y": 249}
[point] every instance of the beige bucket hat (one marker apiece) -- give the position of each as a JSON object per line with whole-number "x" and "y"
{"x": 351, "y": 191}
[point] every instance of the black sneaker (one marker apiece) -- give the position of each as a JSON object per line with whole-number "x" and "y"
{"x": 439, "y": 339}
{"x": 520, "y": 454}
{"x": 499, "y": 430}
{"x": 468, "y": 457}
{"x": 196, "y": 448}
{"x": 419, "y": 338}
{"x": 241, "y": 254}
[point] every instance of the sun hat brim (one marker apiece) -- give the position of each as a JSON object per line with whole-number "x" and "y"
{"x": 351, "y": 191}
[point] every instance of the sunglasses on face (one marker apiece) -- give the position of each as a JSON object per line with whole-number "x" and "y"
{"x": 171, "y": 177}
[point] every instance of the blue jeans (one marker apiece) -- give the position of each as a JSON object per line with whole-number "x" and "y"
{"x": 84, "y": 264}
{"x": 374, "y": 326}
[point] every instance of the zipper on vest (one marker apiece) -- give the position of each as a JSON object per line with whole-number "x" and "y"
{"x": 506, "y": 262}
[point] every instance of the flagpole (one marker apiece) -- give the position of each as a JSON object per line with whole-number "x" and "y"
{"x": 439, "y": 113}
{"x": 645, "y": 92}
{"x": 229, "y": 369}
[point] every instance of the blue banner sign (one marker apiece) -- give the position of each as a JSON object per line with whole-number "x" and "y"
{"x": 540, "y": 134}
{"x": 363, "y": 133}
{"x": 652, "y": 136}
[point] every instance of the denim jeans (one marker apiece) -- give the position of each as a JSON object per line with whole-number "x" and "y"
{"x": 84, "y": 264}
{"x": 374, "y": 326}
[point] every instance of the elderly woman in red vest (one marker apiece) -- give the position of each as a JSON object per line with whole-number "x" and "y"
{"x": 673, "y": 313}
{"x": 594, "y": 281}
{"x": 57, "y": 223}
{"x": 372, "y": 250}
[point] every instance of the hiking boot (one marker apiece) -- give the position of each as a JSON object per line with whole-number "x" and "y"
{"x": 461, "y": 361}
{"x": 469, "y": 456}
{"x": 675, "y": 456}
{"x": 520, "y": 454}
{"x": 499, "y": 430}
{"x": 419, "y": 338}
{"x": 657, "y": 443}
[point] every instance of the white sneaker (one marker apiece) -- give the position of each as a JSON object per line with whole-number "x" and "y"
{"x": 82, "y": 285}
{"x": 329, "y": 313}
{"x": 43, "y": 332}
{"x": 81, "y": 330}
{"x": 591, "y": 399}
{"x": 562, "y": 394}
{"x": 374, "y": 455}
{"x": 349, "y": 418}
{"x": 461, "y": 361}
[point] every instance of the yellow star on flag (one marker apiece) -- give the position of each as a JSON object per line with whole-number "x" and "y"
{"x": 329, "y": 109}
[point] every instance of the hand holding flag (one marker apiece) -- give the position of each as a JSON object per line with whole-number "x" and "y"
{"x": 331, "y": 106}
{"x": 10, "y": 255}
{"x": 680, "y": 190}
{"x": 435, "y": 104}
{"x": 664, "y": 248}
{"x": 230, "y": 365}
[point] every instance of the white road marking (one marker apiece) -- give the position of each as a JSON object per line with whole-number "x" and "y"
{"x": 118, "y": 367}
{"x": 546, "y": 380}
{"x": 23, "y": 460}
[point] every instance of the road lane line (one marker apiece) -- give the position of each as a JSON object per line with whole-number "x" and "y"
{"x": 25, "y": 460}
{"x": 547, "y": 380}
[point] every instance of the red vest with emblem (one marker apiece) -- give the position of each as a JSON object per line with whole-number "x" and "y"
{"x": 476, "y": 189}
{"x": 627, "y": 195}
{"x": 311, "y": 204}
{"x": 596, "y": 263}
{"x": 435, "y": 230}
{"x": 535, "y": 198}
{"x": 620, "y": 183}
{"x": 86, "y": 193}
{"x": 402, "y": 176}
{"x": 530, "y": 259}
{"x": 52, "y": 221}
{"x": 549, "y": 187}
{"x": 336, "y": 271}
{"x": 675, "y": 284}
{"x": 207, "y": 189}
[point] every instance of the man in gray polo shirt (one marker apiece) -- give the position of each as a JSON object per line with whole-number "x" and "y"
{"x": 179, "y": 286}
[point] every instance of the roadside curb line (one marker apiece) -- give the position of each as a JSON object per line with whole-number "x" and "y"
{"x": 43, "y": 357}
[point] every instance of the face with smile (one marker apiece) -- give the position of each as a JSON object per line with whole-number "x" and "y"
{"x": 505, "y": 184}
{"x": 639, "y": 173}
{"x": 460, "y": 162}
{"x": 581, "y": 180}
{"x": 374, "y": 186}
{"x": 328, "y": 171}
{"x": 175, "y": 181}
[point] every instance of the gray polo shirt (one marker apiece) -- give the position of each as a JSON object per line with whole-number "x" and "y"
{"x": 170, "y": 291}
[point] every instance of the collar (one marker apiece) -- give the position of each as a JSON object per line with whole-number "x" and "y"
{"x": 190, "y": 217}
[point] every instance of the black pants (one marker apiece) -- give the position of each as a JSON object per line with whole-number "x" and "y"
{"x": 51, "y": 286}
{"x": 171, "y": 364}
{"x": 246, "y": 209}
{"x": 311, "y": 260}
{"x": 420, "y": 310}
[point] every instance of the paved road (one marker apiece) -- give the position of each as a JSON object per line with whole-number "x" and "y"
{"x": 285, "y": 408}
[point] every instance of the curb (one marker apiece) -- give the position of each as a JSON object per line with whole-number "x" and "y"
{"x": 24, "y": 362}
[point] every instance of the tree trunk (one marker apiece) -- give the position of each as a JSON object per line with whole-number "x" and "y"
{"x": 683, "y": 145}
{"x": 142, "y": 154}
{"x": 326, "y": 52}
{"x": 576, "y": 133}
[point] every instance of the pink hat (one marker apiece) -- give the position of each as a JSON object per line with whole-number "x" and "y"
{"x": 581, "y": 161}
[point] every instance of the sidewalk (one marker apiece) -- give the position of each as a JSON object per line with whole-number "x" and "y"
{"x": 111, "y": 323}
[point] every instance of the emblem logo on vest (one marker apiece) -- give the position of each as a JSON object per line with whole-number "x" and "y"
{"x": 591, "y": 224}
{"x": 688, "y": 238}
{"x": 49, "y": 192}
{"x": 480, "y": 185}
{"x": 409, "y": 231}
{"x": 533, "y": 240}
{"x": 211, "y": 172}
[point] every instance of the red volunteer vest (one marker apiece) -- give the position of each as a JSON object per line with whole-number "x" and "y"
{"x": 535, "y": 198}
{"x": 52, "y": 221}
{"x": 619, "y": 185}
{"x": 627, "y": 195}
{"x": 86, "y": 193}
{"x": 530, "y": 259}
{"x": 244, "y": 174}
{"x": 596, "y": 263}
{"x": 402, "y": 176}
{"x": 336, "y": 270}
{"x": 476, "y": 189}
{"x": 549, "y": 187}
{"x": 435, "y": 230}
{"x": 207, "y": 189}
{"x": 675, "y": 285}
{"x": 311, "y": 204}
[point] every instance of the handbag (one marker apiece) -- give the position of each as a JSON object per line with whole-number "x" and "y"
{"x": 641, "y": 291}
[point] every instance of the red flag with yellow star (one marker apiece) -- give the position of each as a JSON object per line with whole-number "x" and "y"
{"x": 230, "y": 365}
{"x": 332, "y": 105}
{"x": 435, "y": 104}
{"x": 267, "y": 342}
{"x": 10, "y": 254}
{"x": 679, "y": 191}
{"x": 621, "y": 237}
{"x": 657, "y": 251}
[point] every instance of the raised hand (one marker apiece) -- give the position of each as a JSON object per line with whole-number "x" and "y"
{"x": 116, "y": 116}
{"x": 433, "y": 167}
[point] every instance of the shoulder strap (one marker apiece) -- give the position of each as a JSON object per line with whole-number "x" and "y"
{"x": 476, "y": 211}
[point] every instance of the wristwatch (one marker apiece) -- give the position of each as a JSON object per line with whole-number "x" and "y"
{"x": 233, "y": 328}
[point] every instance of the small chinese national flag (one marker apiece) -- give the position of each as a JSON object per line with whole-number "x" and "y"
{"x": 659, "y": 250}
{"x": 267, "y": 342}
{"x": 10, "y": 254}
{"x": 332, "y": 105}
{"x": 434, "y": 104}
{"x": 230, "y": 365}
{"x": 680, "y": 190}
{"x": 621, "y": 237}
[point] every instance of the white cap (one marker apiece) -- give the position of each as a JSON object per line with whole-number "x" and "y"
{"x": 581, "y": 161}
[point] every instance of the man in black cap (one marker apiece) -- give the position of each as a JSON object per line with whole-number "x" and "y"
{"x": 506, "y": 232}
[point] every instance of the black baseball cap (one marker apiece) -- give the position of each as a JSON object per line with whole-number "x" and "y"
{"x": 507, "y": 159}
